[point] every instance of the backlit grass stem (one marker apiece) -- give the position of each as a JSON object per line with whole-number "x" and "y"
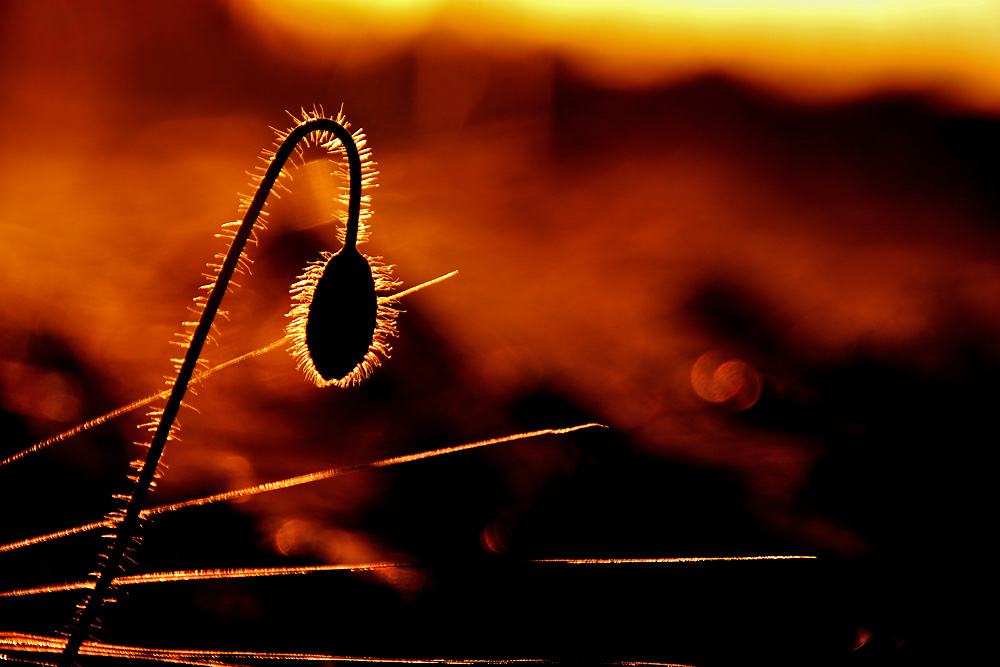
{"x": 111, "y": 566}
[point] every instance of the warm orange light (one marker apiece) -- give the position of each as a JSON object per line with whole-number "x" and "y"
{"x": 816, "y": 50}
{"x": 732, "y": 382}
{"x": 861, "y": 637}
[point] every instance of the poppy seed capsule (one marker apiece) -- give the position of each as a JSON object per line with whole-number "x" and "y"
{"x": 341, "y": 321}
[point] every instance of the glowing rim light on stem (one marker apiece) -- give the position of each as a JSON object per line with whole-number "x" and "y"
{"x": 297, "y": 481}
{"x": 255, "y": 572}
{"x": 23, "y": 642}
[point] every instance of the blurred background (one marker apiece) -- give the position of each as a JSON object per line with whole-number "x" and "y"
{"x": 758, "y": 240}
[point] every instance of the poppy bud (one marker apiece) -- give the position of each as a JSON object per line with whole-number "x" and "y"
{"x": 341, "y": 321}
{"x": 338, "y": 324}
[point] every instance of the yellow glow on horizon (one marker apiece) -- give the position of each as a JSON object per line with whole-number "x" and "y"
{"x": 814, "y": 50}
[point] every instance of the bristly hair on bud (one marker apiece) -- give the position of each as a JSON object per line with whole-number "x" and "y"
{"x": 339, "y": 326}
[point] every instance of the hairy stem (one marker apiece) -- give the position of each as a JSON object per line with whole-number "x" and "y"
{"x": 126, "y": 528}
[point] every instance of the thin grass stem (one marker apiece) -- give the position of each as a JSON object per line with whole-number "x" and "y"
{"x": 206, "y": 575}
{"x": 416, "y": 288}
{"x": 257, "y": 572}
{"x": 14, "y": 641}
{"x": 198, "y": 377}
{"x": 336, "y": 472}
{"x": 76, "y": 530}
{"x": 295, "y": 481}
{"x": 682, "y": 559}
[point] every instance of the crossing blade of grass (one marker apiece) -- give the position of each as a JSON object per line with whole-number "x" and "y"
{"x": 297, "y": 481}
{"x": 14, "y": 641}
{"x": 256, "y": 572}
{"x": 199, "y": 377}
{"x": 335, "y": 472}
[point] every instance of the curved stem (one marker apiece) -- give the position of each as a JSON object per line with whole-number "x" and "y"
{"x": 129, "y": 522}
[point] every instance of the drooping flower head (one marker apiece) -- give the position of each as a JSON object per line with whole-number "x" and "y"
{"x": 339, "y": 327}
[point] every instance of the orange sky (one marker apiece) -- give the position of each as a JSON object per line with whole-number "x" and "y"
{"x": 822, "y": 49}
